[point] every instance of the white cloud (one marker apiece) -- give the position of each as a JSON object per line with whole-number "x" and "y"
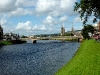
{"x": 20, "y": 12}
{"x": 24, "y": 26}
{"x": 27, "y": 26}
{"x": 55, "y": 7}
{"x": 67, "y": 4}
{"x": 7, "y": 5}
{"x": 63, "y": 19}
{"x": 55, "y": 13}
{"x": 37, "y": 7}
{"x": 67, "y": 7}
{"x": 43, "y": 6}
{"x": 77, "y": 20}
{"x": 50, "y": 21}
{"x": 39, "y": 28}
{"x": 3, "y": 21}
{"x": 25, "y": 3}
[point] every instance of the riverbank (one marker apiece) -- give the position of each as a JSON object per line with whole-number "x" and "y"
{"x": 5, "y": 43}
{"x": 2, "y": 43}
{"x": 85, "y": 62}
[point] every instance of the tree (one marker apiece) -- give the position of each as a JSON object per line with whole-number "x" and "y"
{"x": 24, "y": 36}
{"x": 87, "y": 29}
{"x": 88, "y": 7}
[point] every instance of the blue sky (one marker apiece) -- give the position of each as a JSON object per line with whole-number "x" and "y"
{"x": 30, "y": 17}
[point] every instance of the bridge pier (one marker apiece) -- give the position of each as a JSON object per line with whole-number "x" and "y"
{"x": 34, "y": 41}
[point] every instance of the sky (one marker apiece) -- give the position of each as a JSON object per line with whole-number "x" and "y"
{"x": 32, "y": 17}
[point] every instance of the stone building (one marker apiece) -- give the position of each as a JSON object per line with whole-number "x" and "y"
{"x": 97, "y": 27}
{"x": 11, "y": 36}
{"x": 62, "y": 30}
{"x": 1, "y": 33}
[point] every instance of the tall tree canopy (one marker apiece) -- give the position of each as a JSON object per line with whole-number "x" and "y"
{"x": 88, "y": 7}
{"x": 87, "y": 29}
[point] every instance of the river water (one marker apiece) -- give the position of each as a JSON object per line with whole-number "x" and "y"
{"x": 42, "y": 58}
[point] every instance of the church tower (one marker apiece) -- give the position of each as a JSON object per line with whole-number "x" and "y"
{"x": 1, "y": 32}
{"x": 62, "y": 30}
{"x": 72, "y": 31}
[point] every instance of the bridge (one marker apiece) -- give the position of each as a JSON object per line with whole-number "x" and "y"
{"x": 54, "y": 38}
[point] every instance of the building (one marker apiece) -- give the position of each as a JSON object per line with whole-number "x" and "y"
{"x": 62, "y": 30}
{"x": 72, "y": 31}
{"x": 97, "y": 27}
{"x": 11, "y": 36}
{"x": 1, "y": 33}
{"x": 77, "y": 33}
{"x": 31, "y": 37}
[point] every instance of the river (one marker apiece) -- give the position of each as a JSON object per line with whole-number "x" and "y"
{"x": 42, "y": 58}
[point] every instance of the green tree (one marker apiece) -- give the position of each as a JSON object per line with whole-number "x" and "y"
{"x": 88, "y": 28}
{"x": 24, "y": 36}
{"x": 88, "y": 7}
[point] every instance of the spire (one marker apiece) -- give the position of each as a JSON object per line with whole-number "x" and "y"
{"x": 72, "y": 28}
{"x": 0, "y": 23}
{"x": 62, "y": 30}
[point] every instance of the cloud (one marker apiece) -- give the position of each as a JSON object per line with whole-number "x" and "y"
{"x": 20, "y": 12}
{"x": 50, "y": 21}
{"x": 37, "y": 7}
{"x": 7, "y": 5}
{"x": 44, "y": 6}
{"x": 25, "y": 3}
{"x": 77, "y": 20}
{"x": 39, "y": 28}
{"x": 55, "y": 7}
{"x": 24, "y": 26}
{"x": 63, "y": 19}
{"x": 3, "y": 21}
{"x": 55, "y": 13}
{"x": 27, "y": 26}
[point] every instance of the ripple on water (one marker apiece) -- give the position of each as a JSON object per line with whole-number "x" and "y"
{"x": 35, "y": 59}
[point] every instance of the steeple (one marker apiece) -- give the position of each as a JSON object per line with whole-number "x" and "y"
{"x": 72, "y": 28}
{"x": 1, "y": 32}
{"x": 62, "y": 30}
{"x": 0, "y": 23}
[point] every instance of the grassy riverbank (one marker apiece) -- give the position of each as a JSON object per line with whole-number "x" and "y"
{"x": 5, "y": 43}
{"x": 85, "y": 62}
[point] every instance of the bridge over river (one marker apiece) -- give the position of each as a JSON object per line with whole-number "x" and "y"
{"x": 54, "y": 38}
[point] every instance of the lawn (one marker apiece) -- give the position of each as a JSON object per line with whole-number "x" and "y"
{"x": 85, "y": 62}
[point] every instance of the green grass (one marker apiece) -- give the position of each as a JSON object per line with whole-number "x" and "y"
{"x": 5, "y": 43}
{"x": 85, "y": 62}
